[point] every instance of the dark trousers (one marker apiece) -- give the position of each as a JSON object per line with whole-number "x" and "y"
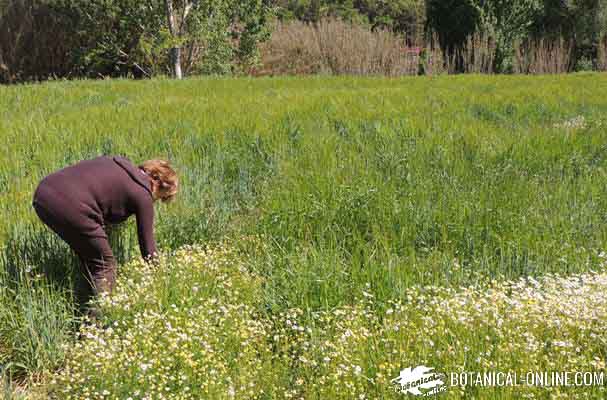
{"x": 97, "y": 264}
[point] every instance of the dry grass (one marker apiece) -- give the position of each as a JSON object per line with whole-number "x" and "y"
{"x": 336, "y": 47}
{"x": 434, "y": 60}
{"x": 340, "y": 48}
{"x": 478, "y": 54}
{"x": 543, "y": 57}
{"x": 602, "y": 54}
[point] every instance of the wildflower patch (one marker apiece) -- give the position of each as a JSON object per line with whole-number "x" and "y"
{"x": 193, "y": 326}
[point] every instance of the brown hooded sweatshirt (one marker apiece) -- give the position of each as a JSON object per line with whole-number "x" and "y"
{"x": 95, "y": 193}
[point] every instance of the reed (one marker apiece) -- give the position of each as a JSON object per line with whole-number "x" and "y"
{"x": 602, "y": 54}
{"x": 478, "y": 54}
{"x": 340, "y": 48}
{"x": 543, "y": 56}
{"x": 336, "y": 47}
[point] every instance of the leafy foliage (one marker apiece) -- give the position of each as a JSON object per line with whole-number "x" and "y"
{"x": 585, "y": 21}
{"x": 127, "y": 37}
{"x": 56, "y": 38}
{"x": 452, "y": 20}
{"x": 114, "y": 35}
{"x": 507, "y": 21}
{"x": 407, "y": 16}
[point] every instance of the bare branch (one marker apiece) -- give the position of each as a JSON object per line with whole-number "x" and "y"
{"x": 186, "y": 11}
{"x": 122, "y": 53}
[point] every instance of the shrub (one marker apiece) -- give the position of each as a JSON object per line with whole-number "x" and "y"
{"x": 34, "y": 43}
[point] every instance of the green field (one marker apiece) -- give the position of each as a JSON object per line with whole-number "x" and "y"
{"x": 354, "y": 208}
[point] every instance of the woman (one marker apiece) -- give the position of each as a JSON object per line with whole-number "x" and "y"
{"x": 79, "y": 202}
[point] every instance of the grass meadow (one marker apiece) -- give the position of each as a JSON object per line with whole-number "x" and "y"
{"x": 329, "y": 232}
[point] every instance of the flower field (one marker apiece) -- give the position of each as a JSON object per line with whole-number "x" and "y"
{"x": 330, "y": 232}
{"x": 192, "y": 327}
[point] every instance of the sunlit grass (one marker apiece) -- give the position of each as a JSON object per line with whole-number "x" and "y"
{"x": 350, "y": 184}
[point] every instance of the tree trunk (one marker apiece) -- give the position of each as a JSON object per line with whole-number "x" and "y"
{"x": 176, "y": 62}
{"x": 175, "y": 52}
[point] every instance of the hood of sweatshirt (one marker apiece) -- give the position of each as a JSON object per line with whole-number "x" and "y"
{"x": 137, "y": 174}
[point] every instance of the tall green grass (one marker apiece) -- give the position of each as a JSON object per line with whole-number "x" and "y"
{"x": 442, "y": 181}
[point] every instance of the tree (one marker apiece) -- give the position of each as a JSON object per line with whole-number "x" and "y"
{"x": 177, "y": 12}
{"x": 587, "y": 20}
{"x": 452, "y": 20}
{"x": 507, "y": 21}
{"x": 583, "y": 22}
{"x": 115, "y": 37}
{"x": 212, "y": 27}
{"x": 404, "y": 16}
{"x": 177, "y": 37}
{"x": 34, "y": 41}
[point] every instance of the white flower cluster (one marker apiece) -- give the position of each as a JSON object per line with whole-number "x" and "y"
{"x": 182, "y": 329}
{"x": 573, "y": 124}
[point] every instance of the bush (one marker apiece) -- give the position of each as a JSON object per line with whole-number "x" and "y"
{"x": 35, "y": 42}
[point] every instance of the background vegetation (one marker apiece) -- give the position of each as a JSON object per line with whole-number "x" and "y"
{"x": 41, "y": 39}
